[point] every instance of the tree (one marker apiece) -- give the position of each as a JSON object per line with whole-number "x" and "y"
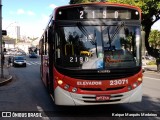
{"x": 150, "y": 15}
{"x": 154, "y": 39}
{"x": 77, "y": 1}
{"x": 81, "y": 1}
{"x": 7, "y": 38}
{"x": 32, "y": 38}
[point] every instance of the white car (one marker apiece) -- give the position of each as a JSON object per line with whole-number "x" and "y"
{"x": 144, "y": 66}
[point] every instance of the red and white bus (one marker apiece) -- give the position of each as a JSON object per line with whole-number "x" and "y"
{"x": 91, "y": 54}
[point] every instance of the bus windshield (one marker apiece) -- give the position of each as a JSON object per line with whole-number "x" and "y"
{"x": 97, "y": 47}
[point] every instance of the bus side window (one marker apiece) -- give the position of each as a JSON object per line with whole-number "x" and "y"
{"x": 46, "y": 43}
{"x": 57, "y": 46}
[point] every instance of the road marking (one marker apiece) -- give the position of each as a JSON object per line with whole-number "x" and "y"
{"x": 33, "y": 63}
{"x": 40, "y": 109}
{"x": 38, "y": 63}
{"x": 153, "y": 78}
{"x": 28, "y": 63}
{"x": 151, "y": 73}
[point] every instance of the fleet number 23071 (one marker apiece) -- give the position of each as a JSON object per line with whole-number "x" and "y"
{"x": 118, "y": 82}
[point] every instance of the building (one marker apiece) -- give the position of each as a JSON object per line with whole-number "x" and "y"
{"x": 18, "y": 33}
{"x": 9, "y": 44}
{"x": 23, "y": 46}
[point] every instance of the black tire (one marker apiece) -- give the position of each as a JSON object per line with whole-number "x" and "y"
{"x": 14, "y": 65}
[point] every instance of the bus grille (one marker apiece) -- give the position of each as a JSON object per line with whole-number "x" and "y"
{"x": 98, "y": 89}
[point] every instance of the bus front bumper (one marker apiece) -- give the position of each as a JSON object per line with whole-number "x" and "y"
{"x": 63, "y": 97}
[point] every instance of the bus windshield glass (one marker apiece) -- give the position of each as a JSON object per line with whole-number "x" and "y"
{"x": 97, "y": 47}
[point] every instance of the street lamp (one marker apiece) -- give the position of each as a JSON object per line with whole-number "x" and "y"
{"x": 2, "y": 76}
{"x": 16, "y": 32}
{"x": 1, "y": 42}
{"x": 10, "y": 25}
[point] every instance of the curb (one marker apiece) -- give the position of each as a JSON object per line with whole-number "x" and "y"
{"x": 9, "y": 79}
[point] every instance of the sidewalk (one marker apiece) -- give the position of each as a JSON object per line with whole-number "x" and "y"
{"x": 151, "y": 68}
{"x": 7, "y": 77}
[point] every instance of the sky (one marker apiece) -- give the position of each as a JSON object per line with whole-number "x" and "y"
{"x": 32, "y": 16}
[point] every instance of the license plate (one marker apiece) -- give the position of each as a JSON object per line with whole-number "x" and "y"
{"x": 102, "y": 97}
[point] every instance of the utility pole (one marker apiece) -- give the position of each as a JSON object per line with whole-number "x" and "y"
{"x": 2, "y": 56}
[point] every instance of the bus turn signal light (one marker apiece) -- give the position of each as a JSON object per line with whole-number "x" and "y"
{"x": 60, "y": 82}
{"x": 140, "y": 79}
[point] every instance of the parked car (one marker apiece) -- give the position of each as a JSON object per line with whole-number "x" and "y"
{"x": 19, "y": 61}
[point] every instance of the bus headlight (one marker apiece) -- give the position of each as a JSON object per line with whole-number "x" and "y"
{"x": 66, "y": 87}
{"x": 129, "y": 88}
{"x": 135, "y": 84}
{"x": 74, "y": 90}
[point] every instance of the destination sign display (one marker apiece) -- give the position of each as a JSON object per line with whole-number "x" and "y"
{"x": 96, "y": 12}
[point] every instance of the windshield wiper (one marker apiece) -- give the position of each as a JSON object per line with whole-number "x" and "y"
{"x": 113, "y": 36}
{"x": 117, "y": 30}
{"x": 93, "y": 39}
{"x": 86, "y": 33}
{"x": 110, "y": 42}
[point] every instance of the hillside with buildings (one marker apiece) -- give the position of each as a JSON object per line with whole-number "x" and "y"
{"x": 23, "y": 43}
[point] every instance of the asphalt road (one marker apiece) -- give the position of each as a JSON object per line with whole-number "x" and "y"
{"x": 26, "y": 93}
